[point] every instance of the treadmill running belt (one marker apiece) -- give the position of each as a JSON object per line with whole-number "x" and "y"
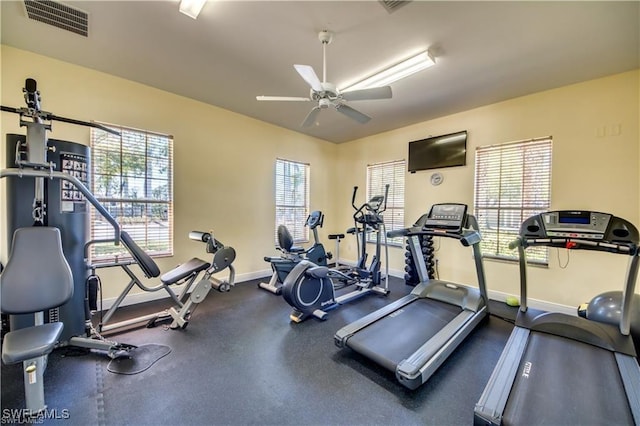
{"x": 565, "y": 382}
{"x": 395, "y": 337}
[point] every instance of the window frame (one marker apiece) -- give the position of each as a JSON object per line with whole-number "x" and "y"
{"x": 129, "y": 143}
{"x": 298, "y": 212}
{"x": 394, "y": 214}
{"x": 534, "y": 177}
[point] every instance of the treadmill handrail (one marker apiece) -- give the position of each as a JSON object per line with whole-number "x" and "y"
{"x": 631, "y": 249}
{"x": 411, "y": 366}
{"x": 576, "y": 244}
{"x": 467, "y": 237}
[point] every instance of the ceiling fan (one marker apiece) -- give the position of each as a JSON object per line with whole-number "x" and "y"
{"x": 327, "y": 94}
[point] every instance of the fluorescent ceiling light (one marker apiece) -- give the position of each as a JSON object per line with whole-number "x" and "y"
{"x": 395, "y": 73}
{"x": 191, "y": 8}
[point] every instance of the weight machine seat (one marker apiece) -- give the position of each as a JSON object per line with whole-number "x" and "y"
{"x": 336, "y": 236}
{"x": 146, "y": 263}
{"x": 37, "y": 278}
{"x": 183, "y": 271}
{"x": 30, "y": 342}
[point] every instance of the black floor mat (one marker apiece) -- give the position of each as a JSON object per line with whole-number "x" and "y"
{"x": 141, "y": 358}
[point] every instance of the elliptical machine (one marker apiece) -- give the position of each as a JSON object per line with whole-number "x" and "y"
{"x": 368, "y": 218}
{"x": 292, "y": 255}
{"x": 309, "y": 288}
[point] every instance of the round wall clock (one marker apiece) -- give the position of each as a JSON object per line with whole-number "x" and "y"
{"x": 436, "y": 179}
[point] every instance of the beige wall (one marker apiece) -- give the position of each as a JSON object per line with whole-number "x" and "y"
{"x": 224, "y": 165}
{"x": 594, "y": 126}
{"x": 224, "y": 162}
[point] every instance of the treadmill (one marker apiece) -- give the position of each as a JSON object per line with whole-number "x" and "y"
{"x": 562, "y": 369}
{"x": 414, "y": 335}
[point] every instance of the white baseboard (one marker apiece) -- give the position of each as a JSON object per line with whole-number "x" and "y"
{"x": 501, "y": 297}
{"x": 536, "y": 304}
{"x": 142, "y": 297}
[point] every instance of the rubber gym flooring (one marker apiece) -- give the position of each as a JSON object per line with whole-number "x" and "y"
{"x": 241, "y": 362}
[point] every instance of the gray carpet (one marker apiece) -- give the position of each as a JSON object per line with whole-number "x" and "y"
{"x": 241, "y": 362}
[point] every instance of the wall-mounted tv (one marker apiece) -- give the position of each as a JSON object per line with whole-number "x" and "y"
{"x": 438, "y": 151}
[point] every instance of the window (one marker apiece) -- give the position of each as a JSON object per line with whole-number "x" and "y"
{"x": 392, "y": 173}
{"x": 292, "y": 198}
{"x": 132, "y": 176}
{"x": 512, "y": 183}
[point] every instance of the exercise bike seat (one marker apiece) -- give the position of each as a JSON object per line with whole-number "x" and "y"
{"x": 183, "y": 271}
{"x": 285, "y": 241}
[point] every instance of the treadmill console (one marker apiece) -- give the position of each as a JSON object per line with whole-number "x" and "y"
{"x": 580, "y": 229}
{"x": 446, "y": 217}
{"x": 576, "y": 224}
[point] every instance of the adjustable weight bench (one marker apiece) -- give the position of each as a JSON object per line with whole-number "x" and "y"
{"x": 186, "y": 272}
{"x": 37, "y": 278}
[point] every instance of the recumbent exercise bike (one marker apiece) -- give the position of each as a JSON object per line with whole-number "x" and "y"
{"x": 292, "y": 255}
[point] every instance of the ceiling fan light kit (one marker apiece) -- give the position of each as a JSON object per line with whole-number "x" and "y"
{"x": 326, "y": 94}
{"x": 396, "y": 72}
{"x": 191, "y": 8}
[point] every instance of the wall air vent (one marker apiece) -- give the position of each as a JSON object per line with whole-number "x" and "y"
{"x": 59, "y": 15}
{"x": 393, "y": 5}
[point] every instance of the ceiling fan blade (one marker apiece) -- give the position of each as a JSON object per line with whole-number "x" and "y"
{"x": 352, "y": 113}
{"x": 309, "y": 76}
{"x": 311, "y": 117}
{"x": 367, "y": 94}
{"x": 281, "y": 98}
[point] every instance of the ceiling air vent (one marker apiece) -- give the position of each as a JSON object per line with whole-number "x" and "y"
{"x": 393, "y": 5}
{"x": 59, "y": 15}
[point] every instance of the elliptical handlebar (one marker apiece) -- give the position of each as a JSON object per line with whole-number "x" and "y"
{"x": 373, "y": 206}
{"x": 386, "y": 197}
{"x": 353, "y": 198}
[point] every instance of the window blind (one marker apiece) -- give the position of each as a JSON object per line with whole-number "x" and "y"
{"x": 392, "y": 173}
{"x": 292, "y": 198}
{"x": 512, "y": 183}
{"x": 132, "y": 176}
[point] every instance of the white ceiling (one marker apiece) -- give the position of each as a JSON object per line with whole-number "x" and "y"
{"x": 485, "y": 51}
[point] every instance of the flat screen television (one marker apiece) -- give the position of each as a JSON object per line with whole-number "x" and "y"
{"x": 438, "y": 151}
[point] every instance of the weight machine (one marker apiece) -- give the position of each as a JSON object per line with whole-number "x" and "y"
{"x": 186, "y": 273}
